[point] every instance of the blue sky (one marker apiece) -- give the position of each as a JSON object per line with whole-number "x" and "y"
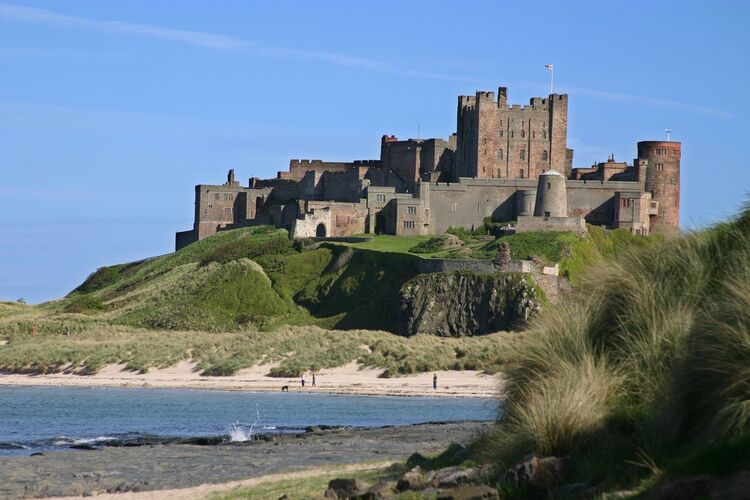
{"x": 110, "y": 112}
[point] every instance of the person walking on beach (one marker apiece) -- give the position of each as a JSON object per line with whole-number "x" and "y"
{"x": 434, "y": 381}
{"x": 303, "y": 380}
{"x": 313, "y": 383}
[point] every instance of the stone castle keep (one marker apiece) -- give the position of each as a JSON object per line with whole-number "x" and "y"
{"x": 507, "y": 162}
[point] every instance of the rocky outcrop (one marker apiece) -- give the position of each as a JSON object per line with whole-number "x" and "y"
{"x": 463, "y": 304}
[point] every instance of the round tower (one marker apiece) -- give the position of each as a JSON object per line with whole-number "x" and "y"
{"x": 525, "y": 202}
{"x": 663, "y": 179}
{"x": 551, "y": 195}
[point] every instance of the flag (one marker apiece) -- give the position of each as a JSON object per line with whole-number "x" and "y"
{"x": 548, "y": 66}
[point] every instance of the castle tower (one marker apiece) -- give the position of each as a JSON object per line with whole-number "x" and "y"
{"x": 663, "y": 179}
{"x": 551, "y": 195}
{"x": 510, "y": 141}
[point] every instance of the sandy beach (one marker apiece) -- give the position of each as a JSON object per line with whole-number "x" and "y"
{"x": 348, "y": 379}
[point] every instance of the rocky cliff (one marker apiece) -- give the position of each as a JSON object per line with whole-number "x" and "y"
{"x": 462, "y": 304}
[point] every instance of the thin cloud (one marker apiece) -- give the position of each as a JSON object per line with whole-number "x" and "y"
{"x": 227, "y": 43}
{"x": 214, "y": 41}
{"x": 650, "y": 101}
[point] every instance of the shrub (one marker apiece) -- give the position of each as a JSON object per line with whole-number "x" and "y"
{"x": 85, "y": 304}
{"x": 429, "y": 246}
{"x": 249, "y": 248}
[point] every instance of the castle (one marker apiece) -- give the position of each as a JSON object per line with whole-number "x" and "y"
{"x": 507, "y": 162}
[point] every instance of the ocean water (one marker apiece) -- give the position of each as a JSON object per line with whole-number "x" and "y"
{"x": 34, "y": 419}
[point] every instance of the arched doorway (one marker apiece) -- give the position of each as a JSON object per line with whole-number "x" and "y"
{"x": 320, "y": 231}
{"x": 379, "y": 224}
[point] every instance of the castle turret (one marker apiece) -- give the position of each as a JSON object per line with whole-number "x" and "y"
{"x": 663, "y": 179}
{"x": 551, "y": 195}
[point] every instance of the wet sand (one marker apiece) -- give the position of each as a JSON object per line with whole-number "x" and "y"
{"x": 348, "y": 379}
{"x": 155, "y": 469}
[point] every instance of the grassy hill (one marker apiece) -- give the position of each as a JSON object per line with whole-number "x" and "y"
{"x": 643, "y": 375}
{"x": 211, "y": 299}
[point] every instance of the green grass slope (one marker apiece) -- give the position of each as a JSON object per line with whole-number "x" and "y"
{"x": 643, "y": 373}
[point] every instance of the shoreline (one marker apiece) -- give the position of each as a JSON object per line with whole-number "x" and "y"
{"x": 350, "y": 379}
{"x": 197, "y": 471}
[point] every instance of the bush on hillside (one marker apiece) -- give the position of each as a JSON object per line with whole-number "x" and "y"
{"x": 84, "y": 304}
{"x": 432, "y": 245}
{"x": 249, "y": 248}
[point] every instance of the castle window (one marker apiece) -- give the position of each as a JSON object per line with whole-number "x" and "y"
{"x": 533, "y": 134}
{"x": 409, "y": 224}
{"x": 659, "y": 167}
{"x": 522, "y": 154}
{"x": 228, "y": 211}
{"x": 411, "y": 210}
{"x": 523, "y": 134}
{"x": 501, "y": 133}
{"x": 500, "y": 154}
{"x": 544, "y": 134}
{"x": 216, "y": 196}
{"x": 228, "y": 197}
{"x": 520, "y": 174}
{"x": 380, "y": 197}
{"x": 511, "y": 133}
{"x": 210, "y": 206}
{"x": 545, "y": 155}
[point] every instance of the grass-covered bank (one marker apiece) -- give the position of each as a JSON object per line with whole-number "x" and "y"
{"x": 293, "y": 350}
{"x": 644, "y": 372}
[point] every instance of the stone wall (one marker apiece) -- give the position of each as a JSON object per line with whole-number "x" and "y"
{"x": 451, "y": 265}
{"x": 330, "y": 219}
{"x": 528, "y": 224}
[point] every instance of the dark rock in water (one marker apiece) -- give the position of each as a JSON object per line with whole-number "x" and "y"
{"x": 470, "y": 492}
{"x": 12, "y": 446}
{"x": 463, "y": 303}
{"x": 37, "y": 454}
{"x": 317, "y": 429}
{"x": 345, "y": 487}
{"x": 203, "y": 441}
{"x": 84, "y": 446}
{"x": 411, "y": 480}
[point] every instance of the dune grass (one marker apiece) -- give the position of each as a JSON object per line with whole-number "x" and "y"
{"x": 647, "y": 362}
{"x": 80, "y": 344}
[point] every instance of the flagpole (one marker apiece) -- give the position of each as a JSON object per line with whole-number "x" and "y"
{"x": 551, "y": 68}
{"x": 552, "y": 80}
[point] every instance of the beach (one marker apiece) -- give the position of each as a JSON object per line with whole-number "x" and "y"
{"x": 350, "y": 379}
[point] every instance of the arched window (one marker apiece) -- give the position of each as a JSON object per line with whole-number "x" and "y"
{"x": 523, "y": 134}
{"x": 545, "y": 155}
{"x": 522, "y": 154}
{"x": 500, "y": 154}
{"x": 520, "y": 175}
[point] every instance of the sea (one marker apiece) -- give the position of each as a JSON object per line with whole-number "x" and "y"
{"x": 39, "y": 419}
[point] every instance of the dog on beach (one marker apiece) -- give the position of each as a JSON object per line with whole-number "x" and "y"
{"x": 284, "y": 388}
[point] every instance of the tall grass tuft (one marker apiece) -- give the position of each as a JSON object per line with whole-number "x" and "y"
{"x": 649, "y": 356}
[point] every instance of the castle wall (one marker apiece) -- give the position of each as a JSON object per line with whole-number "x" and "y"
{"x": 632, "y": 210}
{"x": 337, "y": 220}
{"x": 535, "y": 223}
